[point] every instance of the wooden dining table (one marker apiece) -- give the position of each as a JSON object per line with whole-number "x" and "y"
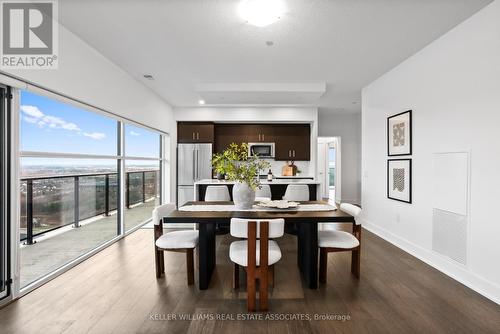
{"x": 306, "y": 223}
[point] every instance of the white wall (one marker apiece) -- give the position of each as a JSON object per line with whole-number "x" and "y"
{"x": 260, "y": 115}
{"x": 348, "y": 128}
{"x": 86, "y": 75}
{"x": 453, "y": 88}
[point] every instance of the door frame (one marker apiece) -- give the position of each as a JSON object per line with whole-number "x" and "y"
{"x": 5, "y": 198}
{"x": 327, "y": 140}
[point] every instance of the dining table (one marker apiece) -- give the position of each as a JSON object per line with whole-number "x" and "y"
{"x": 305, "y": 219}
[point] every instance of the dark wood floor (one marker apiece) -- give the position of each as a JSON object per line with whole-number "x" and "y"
{"x": 116, "y": 292}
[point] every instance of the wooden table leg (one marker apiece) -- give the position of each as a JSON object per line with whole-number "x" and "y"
{"x": 206, "y": 254}
{"x": 309, "y": 249}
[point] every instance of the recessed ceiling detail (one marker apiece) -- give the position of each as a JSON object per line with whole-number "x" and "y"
{"x": 261, "y": 93}
{"x": 346, "y": 44}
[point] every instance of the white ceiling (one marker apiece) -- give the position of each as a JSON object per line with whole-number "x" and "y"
{"x": 187, "y": 43}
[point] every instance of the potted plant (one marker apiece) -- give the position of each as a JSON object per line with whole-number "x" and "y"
{"x": 235, "y": 163}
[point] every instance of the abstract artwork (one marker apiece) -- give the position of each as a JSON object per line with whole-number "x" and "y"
{"x": 399, "y": 179}
{"x": 399, "y": 134}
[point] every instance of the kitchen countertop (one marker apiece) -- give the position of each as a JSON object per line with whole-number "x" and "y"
{"x": 275, "y": 181}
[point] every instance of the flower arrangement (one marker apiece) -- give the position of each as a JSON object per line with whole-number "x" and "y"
{"x": 238, "y": 166}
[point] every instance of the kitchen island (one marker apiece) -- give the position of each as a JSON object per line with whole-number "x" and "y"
{"x": 278, "y": 187}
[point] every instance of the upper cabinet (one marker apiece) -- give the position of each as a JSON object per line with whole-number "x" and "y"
{"x": 292, "y": 141}
{"x": 195, "y": 132}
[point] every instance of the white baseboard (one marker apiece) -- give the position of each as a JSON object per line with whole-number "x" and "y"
{"x": 447, "y": 266}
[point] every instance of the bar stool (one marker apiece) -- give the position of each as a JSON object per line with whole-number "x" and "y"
{"x": 263, "y": 193}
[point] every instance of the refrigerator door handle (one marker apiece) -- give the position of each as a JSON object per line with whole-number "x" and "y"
{"x": 197, "y": 164}
{"x": 194, "y": 166}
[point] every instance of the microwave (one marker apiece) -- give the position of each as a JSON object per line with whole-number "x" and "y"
{"x": 263, "y": 150}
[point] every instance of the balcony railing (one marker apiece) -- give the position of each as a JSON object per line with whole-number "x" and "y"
{"x": 51, "y": 202}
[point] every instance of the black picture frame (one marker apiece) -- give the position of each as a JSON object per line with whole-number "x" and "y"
{"x": 409, "y": 112}
{"x": 409, "y": 183}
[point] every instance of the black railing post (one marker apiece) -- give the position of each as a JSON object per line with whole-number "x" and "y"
{"x": 77, "y": 201}
{"x": 127, "y": 186}
{"x": 106, "y": 195}
{"x": 29, "y": 212}
{"x": 143, "y": 187}
{"x": 155, "y": 173}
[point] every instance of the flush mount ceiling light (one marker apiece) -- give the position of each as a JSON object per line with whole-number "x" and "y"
{"x": 202, "y": 102}
{"x": 261, "y": 13}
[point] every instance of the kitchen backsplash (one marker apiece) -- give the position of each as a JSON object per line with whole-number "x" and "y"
{"x": 302, "y": 166}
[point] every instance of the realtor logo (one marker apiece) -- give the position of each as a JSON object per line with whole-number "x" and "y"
{"x": 29, "y": 34}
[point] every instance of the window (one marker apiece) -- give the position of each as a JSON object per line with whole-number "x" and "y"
{"x": 71, "y": 181}
{"x": 68, "y": 200}
{"x": 142, "y": 174}
{"x": 48, "y": 125}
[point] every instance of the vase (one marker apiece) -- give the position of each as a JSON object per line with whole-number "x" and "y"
{"x": 243, "y": 195}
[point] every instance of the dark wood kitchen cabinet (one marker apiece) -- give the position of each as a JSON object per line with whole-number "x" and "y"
{"x": 293, "y": 142}
{"x": 195, "y": 132}
{"x": 226, "y": 134}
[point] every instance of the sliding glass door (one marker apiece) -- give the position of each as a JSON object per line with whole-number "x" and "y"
{"x": 4, "y": 188}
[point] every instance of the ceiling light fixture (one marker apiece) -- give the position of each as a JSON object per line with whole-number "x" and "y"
{"x": 202, "y": 102}
{"x": 261, "y": 13}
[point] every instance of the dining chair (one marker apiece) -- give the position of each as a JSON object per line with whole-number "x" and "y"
{"x": 257, "y": 255}
{"x": 297, "y": 192}
{"x": 341, "y": 241}
{"x": 218, "y": 194}
{"x": 263, "y": 193}
{"x": 176, "y": 241}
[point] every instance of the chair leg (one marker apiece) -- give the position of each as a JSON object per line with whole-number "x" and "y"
{"x": 323, "y": 262}
{"x": 271, "y": 276}
{"x": 190, "y": 266}
{"x": 251, "y": 298}
{"x": 263, "y": 288}
{"x": 356, "y": 254}
{"x": 236, "y": 276}
{"x": 158, "y": 262}
{"x": 162, "y": 262}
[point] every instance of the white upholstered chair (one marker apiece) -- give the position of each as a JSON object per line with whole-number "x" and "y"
{"x": 297, "y": 192}
{"x": 256, "y": 255}
{"x": 217, "y": 194}
{"x": 340, "y": 241}
{"x": 263, "y": 193}
{"x": 175, "y": 241}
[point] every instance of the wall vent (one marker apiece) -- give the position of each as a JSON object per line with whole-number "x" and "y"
{"x": 449, "y": 235}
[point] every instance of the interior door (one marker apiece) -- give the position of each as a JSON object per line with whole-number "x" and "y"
{"x": 4, "y": 189}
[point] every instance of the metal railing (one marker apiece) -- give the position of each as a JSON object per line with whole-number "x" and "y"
{"x": 140, "y": 186}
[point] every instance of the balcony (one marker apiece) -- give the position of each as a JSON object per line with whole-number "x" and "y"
{"x": 59, "y": 224}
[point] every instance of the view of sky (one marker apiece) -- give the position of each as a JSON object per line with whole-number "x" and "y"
{"x": 48, "y": 125}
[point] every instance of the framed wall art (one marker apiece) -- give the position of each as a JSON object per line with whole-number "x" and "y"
{"x": 399, "y": 134}
{"x": 399, "y": 179}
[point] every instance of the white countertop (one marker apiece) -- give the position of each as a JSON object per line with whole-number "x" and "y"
{"x": 275, "y": 181}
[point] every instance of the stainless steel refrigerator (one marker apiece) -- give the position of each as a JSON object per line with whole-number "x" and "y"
{"x": 193, "y": 164}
